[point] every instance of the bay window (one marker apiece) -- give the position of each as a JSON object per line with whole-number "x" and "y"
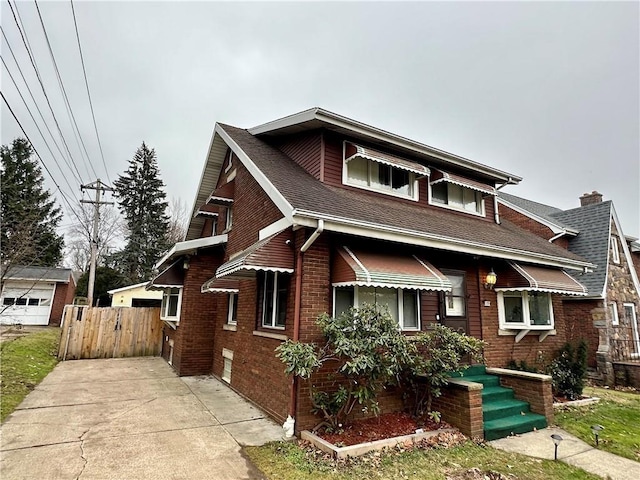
{"x": 525, "y": 310}
{"x": 402, "y": 303}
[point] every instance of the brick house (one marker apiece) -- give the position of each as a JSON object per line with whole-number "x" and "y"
{"x": 315, "y": 213}
{"x": 35, "y": 295}
{"x": 607, "y": 317}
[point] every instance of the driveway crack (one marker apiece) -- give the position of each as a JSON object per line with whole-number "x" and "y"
{"x": 84, "y": 465}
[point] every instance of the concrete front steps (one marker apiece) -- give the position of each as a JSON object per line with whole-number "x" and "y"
{"x": 503, "y": 414}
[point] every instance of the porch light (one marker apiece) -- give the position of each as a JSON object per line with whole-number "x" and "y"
{"x": 490, "y": 280}
{"x": 596, "y": 429}
{"x": 556, "y": 441}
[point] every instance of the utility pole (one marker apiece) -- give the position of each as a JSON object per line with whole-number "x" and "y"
{"x": 99, "y": 187}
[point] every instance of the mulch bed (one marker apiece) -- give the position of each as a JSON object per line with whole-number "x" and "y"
{"x": 388, "y": 425}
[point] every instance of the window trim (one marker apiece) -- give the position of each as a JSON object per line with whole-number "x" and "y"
{"x": 415, "y": 196}
{"x": 400, "y": 302}
{"x": 232, "y": 309}
{"x": 274, "y": 311}
{"x": 634, "y": 327}
{"x": 481, "y": 213}
{"x": 228, "y": 220}
{"x": 615, "y": 319}
{"x": 165, "y": 305}
{"x": 526, "y": 316}
{"x": 615, "y": 250}
{"x": 456, "y": 273}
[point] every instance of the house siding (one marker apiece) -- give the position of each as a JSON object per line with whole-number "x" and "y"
{"x": 304, "y": 149}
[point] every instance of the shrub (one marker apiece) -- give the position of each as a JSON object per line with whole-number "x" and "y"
{"x": 368, "y": 351}
{"x": 568, "y": 370}
{"x": 440, "y": 352}
{"x": 521, "y": 366}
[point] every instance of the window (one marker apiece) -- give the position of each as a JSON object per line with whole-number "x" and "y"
{"x": 402, "y": 303}
{"x": 525, "y": 310}
{"x": 227, "y": 357}
{"x": 214, "y": 226}
{"x": 274, "y": 290}
{"x": 365, "y": 173}
{"x": 229, "y": 161}
{"x": 613, "y": 308}
{"x": 630, "y": 316}
{"x": 457, "y": 197}
{"x": 21, "y": 301}
{"x": 232, "y": 316}
{"x": 229, "y": 219}
{"x": 8, "y": 301}
{"x": 170, "y": 307}
{"x": 454, "y": 304}
{"x": 615, "y": 251}
{"x": 33, "y": 302}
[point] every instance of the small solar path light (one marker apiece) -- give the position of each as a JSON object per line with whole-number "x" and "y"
{"x": 596, "y": 429}
{"x": 556, "y": 441}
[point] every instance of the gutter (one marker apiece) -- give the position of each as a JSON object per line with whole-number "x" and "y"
{"x": 496, "y": 214}
{"x": 289, "y": 424}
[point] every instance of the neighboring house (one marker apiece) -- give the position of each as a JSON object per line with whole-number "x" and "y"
{"x": 316, "y": 213}
{"x": 36, "y": 295}
{"x": 135, "y": 296}
{"x": 608, "y": 317}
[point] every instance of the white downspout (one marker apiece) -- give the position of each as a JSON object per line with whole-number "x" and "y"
{"x": 496, "y": 215}
{"x": 313, "y": 236}
{"x": 555, "y": 237}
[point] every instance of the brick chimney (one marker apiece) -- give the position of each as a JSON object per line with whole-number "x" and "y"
{"x": 590, "y": 198}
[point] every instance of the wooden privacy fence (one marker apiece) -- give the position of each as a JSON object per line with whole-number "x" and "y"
{"x": 108, "y": 332}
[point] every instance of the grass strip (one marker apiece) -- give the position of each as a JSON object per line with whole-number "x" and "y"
{"x": 24, "y": 362}
{"x": 288, "y": 461}
{"x": 618, "y": 412}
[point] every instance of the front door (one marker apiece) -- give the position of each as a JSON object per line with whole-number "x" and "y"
{"x": 453, "y": 305}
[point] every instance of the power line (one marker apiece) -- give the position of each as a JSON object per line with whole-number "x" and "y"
{"x": 86, "y": 83}
{"x": 64, "y": 92}
{"x": 34, "y": 102}
{"x": 35, "y": 123}
{"x": 23, "y": 34}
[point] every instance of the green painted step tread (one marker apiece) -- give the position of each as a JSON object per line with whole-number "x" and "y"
{"x": 472, "y": 370}
{"x": 507, "y": 403}
{"x": 514, "y": 421}
{"x": 486, "y": 380}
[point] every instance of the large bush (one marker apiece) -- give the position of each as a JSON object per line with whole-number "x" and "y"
{"x": 366, "y": 351}
{"x": 440, "y": 352}
{"x": 568, "y": 370}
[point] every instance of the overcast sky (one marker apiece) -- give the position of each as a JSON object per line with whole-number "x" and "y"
{"x": 547, "y": 91}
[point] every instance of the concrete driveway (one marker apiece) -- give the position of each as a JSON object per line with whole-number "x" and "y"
{"x": 131, "y": 419}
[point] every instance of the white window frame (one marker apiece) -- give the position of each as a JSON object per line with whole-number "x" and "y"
{"x": 454, "y": 313}
{"x": 634, "y": 327}
{"x": 481, "y": 213}
{"x": 615, "y": 319}
{"x": 274, "y": 311}
{"x": 415, "y": 195}
{"x": 166, "y": 293}
{"x": 615, "y": 250}
{"x": 228, "y": 222}
{"x": 526, "y": 316}
{"x": 227, "y": 361}
{"x": 231, "y": 311}
{"x": 400, "y": 297}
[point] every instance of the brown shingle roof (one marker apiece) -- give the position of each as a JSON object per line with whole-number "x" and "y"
{"x": 304, "y": 192}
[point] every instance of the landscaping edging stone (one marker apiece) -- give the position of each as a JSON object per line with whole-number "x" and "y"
{"x": 576, "y": 403}
{"x": 362, "y": 448}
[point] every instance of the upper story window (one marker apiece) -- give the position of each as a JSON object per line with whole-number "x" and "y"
{"x": 525, "y": 310}
{"x": 229, "y": 219}
{"x": 232, "y": 312}
{"x": 402, "y": 304}
{"x": 381, "y": 172}
{"x": 170, "y": 307}
{"x": 452, "y": 191}
{"x": 615, "y": 249}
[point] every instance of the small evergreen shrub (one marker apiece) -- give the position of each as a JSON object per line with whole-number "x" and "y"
{"x": 568, "y": 370}
{"x": 521, "y": 366}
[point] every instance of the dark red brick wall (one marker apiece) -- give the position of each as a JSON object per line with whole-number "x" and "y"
{"x": 461, "y": 407}
{"x": 526, "y": 223}
{"x": 63, "y": 295}
{"x": 580, "y": 316}
{"x": 193, "y": 348}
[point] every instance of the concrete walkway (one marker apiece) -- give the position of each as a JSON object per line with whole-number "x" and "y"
{"x": 131, "y": 419}
{"x": 572, "y": 451}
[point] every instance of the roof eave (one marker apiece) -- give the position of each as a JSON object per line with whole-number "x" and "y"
{"x": 190, "y": 246}
{"x": 349, "y": 124}
{"x": 385, "y": 232}
{"x": 554, "y": 227}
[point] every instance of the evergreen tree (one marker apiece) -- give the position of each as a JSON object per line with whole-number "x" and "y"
{"x": 141, "y": 199}
{"x": 30, "y": 215}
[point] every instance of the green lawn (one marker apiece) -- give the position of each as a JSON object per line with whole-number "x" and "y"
{"x": 619, "y": 414}
{"x": 288, "y": 461}
{"x": 24, "y": 362}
